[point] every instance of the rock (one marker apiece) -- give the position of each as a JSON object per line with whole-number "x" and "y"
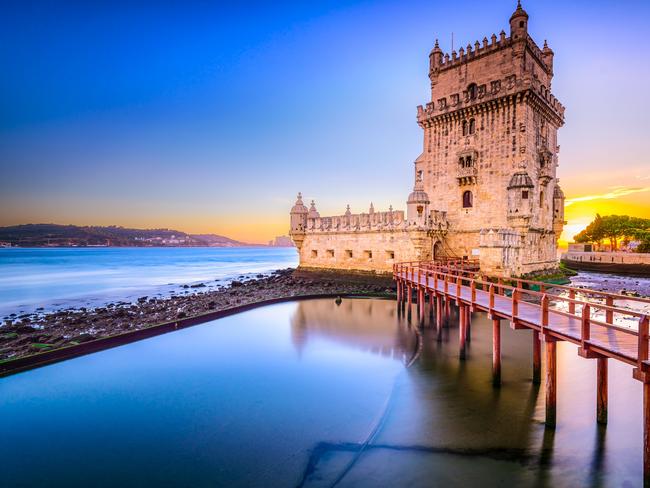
{"x": 198, "y": 285}
{"x": 236, "y": 283}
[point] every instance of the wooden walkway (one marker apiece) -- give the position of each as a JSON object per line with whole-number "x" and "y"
{"x": 595, "y": 321}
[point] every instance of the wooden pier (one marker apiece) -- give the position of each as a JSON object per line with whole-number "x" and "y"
{"x": 588, "y": 318}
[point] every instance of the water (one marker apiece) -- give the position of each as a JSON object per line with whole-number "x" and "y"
{"x": 76, "y": 277}
{"x": 313, "y": 394}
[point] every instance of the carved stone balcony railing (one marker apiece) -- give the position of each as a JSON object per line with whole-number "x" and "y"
{"x": 467, "y": 175}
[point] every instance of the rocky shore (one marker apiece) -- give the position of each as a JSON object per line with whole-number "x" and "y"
{"x": 26, "y": 334}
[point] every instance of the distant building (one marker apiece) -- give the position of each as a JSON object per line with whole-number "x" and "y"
{"x": 485, "y": 183}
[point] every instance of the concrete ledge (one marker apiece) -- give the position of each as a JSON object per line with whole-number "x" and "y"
{"x": 601, "y": 267}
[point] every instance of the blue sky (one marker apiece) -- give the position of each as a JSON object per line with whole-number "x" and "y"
{"x": 209, "y": 118}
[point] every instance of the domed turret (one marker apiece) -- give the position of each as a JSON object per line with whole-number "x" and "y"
{"x": 313, "y": 213}
{"x": 298, "y": 216}
{"x": 558, "y": 210}
{"x": 347, "y": 211}
{"x": 548, "y": 54}
{"x": 519, "y": 23}
{"x": 435, "y": 58}
{"x": 417, "y": 204}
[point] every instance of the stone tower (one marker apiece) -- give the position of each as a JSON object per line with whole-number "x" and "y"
{"x": 485, "y": 183}
{"x": 490, "y": 150}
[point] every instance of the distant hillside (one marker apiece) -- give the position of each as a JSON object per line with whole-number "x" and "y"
{"x": 54, "y": 235}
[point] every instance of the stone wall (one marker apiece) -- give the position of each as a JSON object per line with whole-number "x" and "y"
{"x": 608, "y": 257}
{"x": 358, "y": 251}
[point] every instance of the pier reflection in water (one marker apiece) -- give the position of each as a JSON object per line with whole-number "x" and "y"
{"x": 316, "y": 393}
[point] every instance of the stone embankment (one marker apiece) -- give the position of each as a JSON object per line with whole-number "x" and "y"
{"x": 28, "y": 334}
{"x": 631, "y": 263}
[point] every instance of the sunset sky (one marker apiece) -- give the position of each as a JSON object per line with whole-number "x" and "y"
{"x": 209, "y": 118}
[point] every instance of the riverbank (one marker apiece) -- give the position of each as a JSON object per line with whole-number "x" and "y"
{"x": 39, "y": 332}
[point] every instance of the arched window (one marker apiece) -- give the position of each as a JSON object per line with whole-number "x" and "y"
{"x": 541, "y": 198}
{"x": 467, "y": 199}
{"x": 472, "y": 126}
{"x": 472, "y": 91}
{"x": 464, "y": 127}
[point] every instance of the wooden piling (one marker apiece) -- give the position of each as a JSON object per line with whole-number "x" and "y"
{"x": 496, "y": 351}
{"x": 462, "y": 330}
{"x": 601, "y": 390}
{"x": 551, "y": 381}
{"x": 642, "y": 356}
{"x": 537, "y": 358}
{"x": 468, "y": 324}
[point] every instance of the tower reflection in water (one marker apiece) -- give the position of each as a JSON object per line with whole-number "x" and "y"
{"x": 445, "y": 423}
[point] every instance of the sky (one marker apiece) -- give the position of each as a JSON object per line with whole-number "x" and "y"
{"x": 210, "y": 117}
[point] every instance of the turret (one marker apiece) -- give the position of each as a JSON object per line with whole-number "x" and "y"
{"x": 558, "y": 210}
{"x": 313, "y": 213}
{"x": 417, "y": 205}
{"x": 547, "y": 52}
{"x": 298, "y": 217}
{"x": 520, "y": 199}
{"x": 435, "y": 60}
{"x": 519, "y": 23}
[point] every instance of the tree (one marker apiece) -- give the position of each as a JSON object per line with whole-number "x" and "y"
{"x": 617, "y": 228}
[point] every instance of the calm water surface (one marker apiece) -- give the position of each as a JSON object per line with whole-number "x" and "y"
{"x": 76, "y": 277}
{"x": 315, "y": 394}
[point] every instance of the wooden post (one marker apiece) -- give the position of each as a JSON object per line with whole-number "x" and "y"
{"x": 399, "y": 291}
{"x": 585, "y": 326}
{"x": 462, "y": 317}
{"x": 468, "y": 324}
{"x": 421, "y": 308}
{"x": 514, "y": 324}
{"x": 537, "y": 358}
{"x": 551, "y": 381}
{"x": 439, "y": 316}
{"x": 609, "y": 314}
{"x": 496, "y": 352}
{"x": 642, "y": 355}
{"x": 491, "y": 302}
{"x": 601, "y": 390}
{"x": 572, "y": 305}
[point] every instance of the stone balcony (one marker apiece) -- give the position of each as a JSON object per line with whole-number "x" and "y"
{"x": 466, "y": 175}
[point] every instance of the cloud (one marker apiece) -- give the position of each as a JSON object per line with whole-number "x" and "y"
{"x": 619, "y": 191}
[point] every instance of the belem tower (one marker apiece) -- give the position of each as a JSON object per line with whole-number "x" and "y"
{"x": 485, "y": 184}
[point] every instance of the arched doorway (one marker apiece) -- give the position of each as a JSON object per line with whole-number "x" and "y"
{"x": 437, "y": 250}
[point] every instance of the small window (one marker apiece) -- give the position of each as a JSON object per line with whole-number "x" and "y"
{"x": 464, "y": 127}
{"x": 521, "y": 23}
{"x": 314, "y": 253}
{"x": 348, "y": 253}
{"x": 420, "y": 210}
{"x": 472, "y": 126}
{"x": 541, "y": 198}
{"x": 472, "y": 91}
{"x": 368, "y": 254}
{"x": 467, "y": 199}
{"x": 524, "y": 194}
{"x": 390, "y": 255}
{"x": 330, "y": 253}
